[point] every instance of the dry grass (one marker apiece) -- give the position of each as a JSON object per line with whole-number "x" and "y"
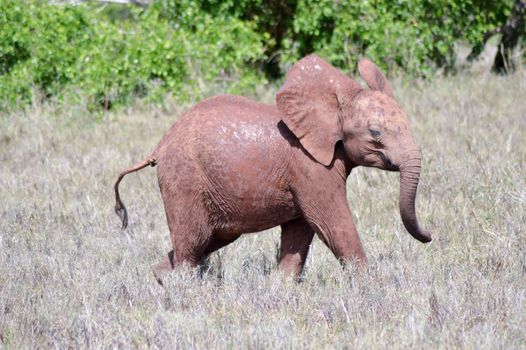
{"x": 69, "y": 277}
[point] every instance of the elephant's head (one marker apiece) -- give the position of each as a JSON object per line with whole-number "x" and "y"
{"x": 322, "y": 107}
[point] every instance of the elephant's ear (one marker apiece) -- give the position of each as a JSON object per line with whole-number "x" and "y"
{"x": 310, "y": 102}
{"x": 374, "y": 77}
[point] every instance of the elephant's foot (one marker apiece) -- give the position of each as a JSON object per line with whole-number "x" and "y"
{"x": 163, "y": 267}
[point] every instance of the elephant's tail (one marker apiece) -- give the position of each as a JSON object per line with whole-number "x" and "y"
{"x": 120, "y": 209}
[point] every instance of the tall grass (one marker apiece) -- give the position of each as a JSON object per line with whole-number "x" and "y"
{"x": 69, "y": 277}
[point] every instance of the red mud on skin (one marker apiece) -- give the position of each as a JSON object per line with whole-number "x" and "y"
{"x": 231, "y": 165}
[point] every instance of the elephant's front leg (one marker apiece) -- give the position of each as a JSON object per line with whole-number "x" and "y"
{"x": 296, "y": 237}
{"x": 328, "y": 213}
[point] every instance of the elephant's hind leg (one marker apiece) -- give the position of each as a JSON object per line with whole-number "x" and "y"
{"x": 163, "y": 267}
{"x": 190, "y": 246}
{"x": 296, "y": 237}
{"x": 190, "y": 231}
{"x": 191, "y": 235}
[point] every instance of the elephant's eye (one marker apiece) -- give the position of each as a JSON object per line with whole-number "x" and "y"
{"x": 375, "y": 133}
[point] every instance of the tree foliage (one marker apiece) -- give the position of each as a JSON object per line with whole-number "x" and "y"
{"x": 108, "y": 55}
{"x": 83, "y": 52}
{"x": 417, "y": 36}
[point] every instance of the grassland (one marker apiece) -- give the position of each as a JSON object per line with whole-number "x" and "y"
{"x": 70, "y": 278}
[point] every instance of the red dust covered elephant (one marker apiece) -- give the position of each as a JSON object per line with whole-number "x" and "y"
{"x": 231, "y": 165}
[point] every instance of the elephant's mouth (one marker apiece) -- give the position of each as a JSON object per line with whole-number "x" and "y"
{"x": 386, "y": 163}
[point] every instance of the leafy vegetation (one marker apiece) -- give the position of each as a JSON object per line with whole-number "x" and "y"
{"x": 417, "y": 36}
{"x": 75, "y": 52}
{"x": 103, "y": 56}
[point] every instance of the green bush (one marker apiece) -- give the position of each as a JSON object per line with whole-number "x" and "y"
{"x": 106, "y": 56}
{"x": 39, "y": 48}
{"x": 75, "y": 52}
{"x": 414, "y": 35}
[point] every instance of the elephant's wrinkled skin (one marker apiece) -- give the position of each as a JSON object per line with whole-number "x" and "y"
{"x": 231, "y": 165}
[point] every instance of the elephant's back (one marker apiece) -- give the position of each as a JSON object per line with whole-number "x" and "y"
{"x": 223, "y": 119}
{"x": 226, "y": 127}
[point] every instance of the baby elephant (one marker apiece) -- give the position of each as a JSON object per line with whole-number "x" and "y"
{"x": 231, "y": 165}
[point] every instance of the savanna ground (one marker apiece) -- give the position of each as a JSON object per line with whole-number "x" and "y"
{"x": 69, "y": 277}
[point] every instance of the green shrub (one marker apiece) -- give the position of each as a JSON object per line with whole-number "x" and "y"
{"x": 79, "y": 51}
{"x": 106, "y": 56}
{"x": 39, "y": 46}
{"x": 414, "y": 35}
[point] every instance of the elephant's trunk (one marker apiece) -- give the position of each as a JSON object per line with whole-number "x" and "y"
{"x": 409, "y": 177}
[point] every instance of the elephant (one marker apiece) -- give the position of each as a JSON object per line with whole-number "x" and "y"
{"x": 231, "y": 165}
